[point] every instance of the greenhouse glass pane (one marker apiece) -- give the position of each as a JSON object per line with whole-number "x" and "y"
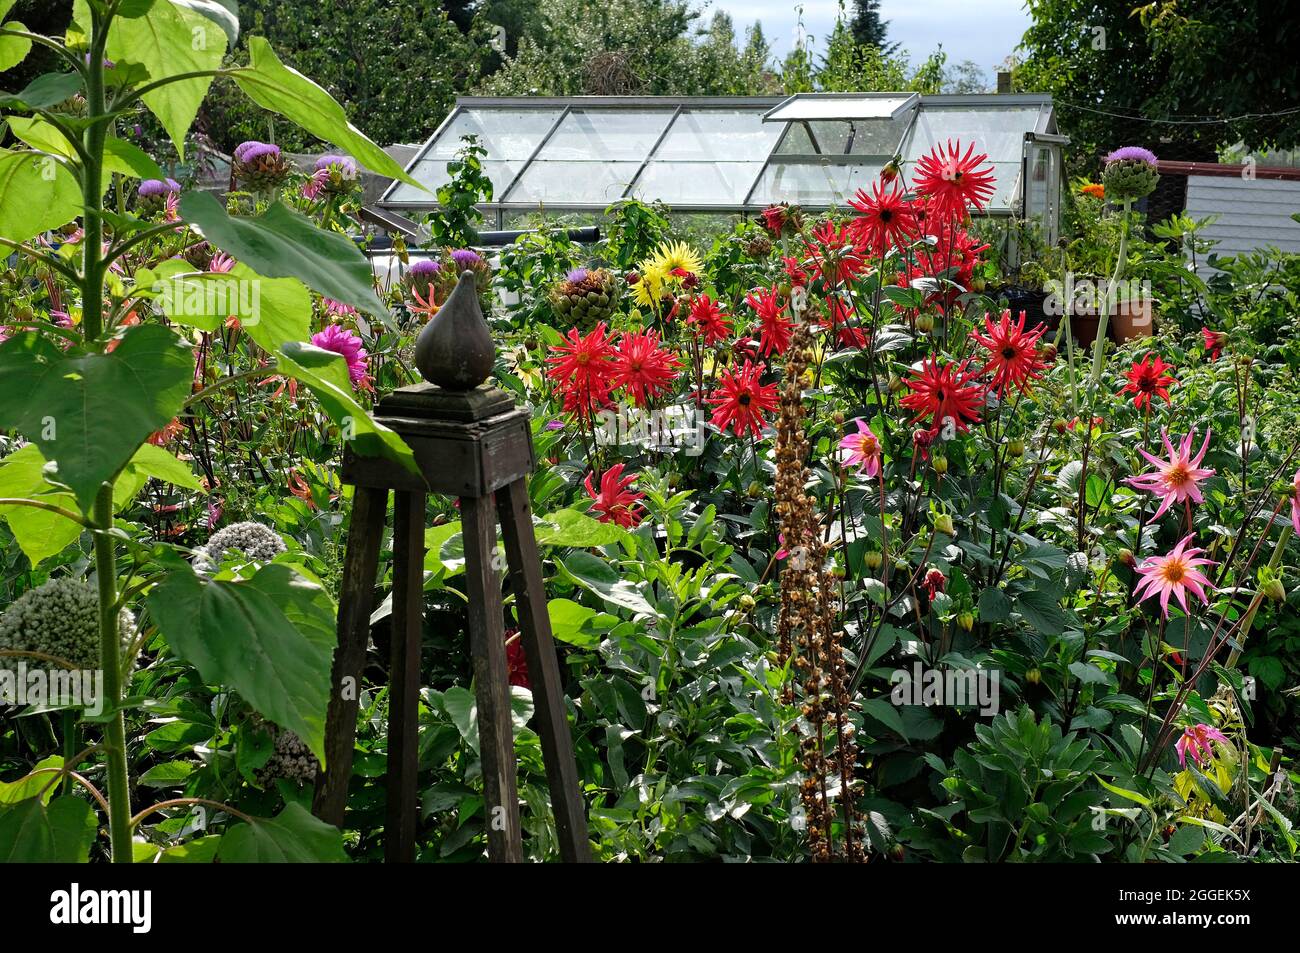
{"x": 997, "y": 131}
{"x": 697, "y": 183}
{"x": 433, "y": 173}
{"x": 816, "y": 184}
{"x": 606, "y": 135}
{"x": 711, "y": 134}
{"x": 866, "y": 137}
{"x": 572, "y": 183}
{"x": 510, "y": 134}
{"x": 813, "y": 106}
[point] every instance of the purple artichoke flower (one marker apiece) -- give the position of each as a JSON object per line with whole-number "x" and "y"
{"x": 1132, "y": 152}
{"x": 577, "y": 276}
{"x": 156, "y": 188}
{"x": 347, "y": 169}
{"x": 466, "y": 259}
{"x": 248, "y": 151}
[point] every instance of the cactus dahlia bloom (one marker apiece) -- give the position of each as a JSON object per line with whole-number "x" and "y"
{"x": 886, "y": 221}
{"x": 741, "y": 401}
{"x": 1014, "y": 359}
{"x": 953, "y": 182}
{"x": 582, "y": 369}
{"x": 642, "y": 367}
{"x": 615, "y": 502}
{"x": 59, "y": 618}
{"x": 1147, "y": 379}
{"x": 1196, "y": 742}
{"x": 775, "y": 329}
{"x": 1174, "y": 574}
{"x": 944, "y": 393}
{"x": 708, "y": 321}
{"x": 260, "y": 166}
{"x": 342, "y": 341}
{"x": 1178, "y": 478}
{"x": 1295, "y": 502}
{"x": 863, "y": 449}
{"x": 1215, "y": 342}
{"x": 254, "y": 540}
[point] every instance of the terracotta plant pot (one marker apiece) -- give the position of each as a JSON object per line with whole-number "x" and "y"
{"x": 1083, "y": 326}
{"x": 1132, "y": 319}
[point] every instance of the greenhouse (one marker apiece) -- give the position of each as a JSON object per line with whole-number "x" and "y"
{"x": 723, "y": 154}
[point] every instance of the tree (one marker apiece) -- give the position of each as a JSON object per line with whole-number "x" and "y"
{"x": 965, "y": 77}
{"x": 394, "y": 65}
{"x": 867, "y": 27}
{"x": 1135, "y": 76}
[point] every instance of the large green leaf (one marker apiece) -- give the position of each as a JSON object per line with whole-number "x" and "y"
{"x": 294, "y": 836}
{"x": 600, "y": 577}
{"x": 40, "y": 534}
{"x": 13, "y": 49}
{"x": 326, "y": 374}
{"x": 35, "y": 833}
{"x": 270, "y": 638}
{"x": 568, "y": 619}
{"x": 130, "y": 160}
{"x": 89, "y": 413}
{"x": 37, "y": 193}
{"x": 282, "y": 89}
{"x": 280, "y": 243}
{"x": 224, "y": 13}
{"x": 44, "y": 91}
{"x": 168, "y": 41}
{"x": 577, "y": 529}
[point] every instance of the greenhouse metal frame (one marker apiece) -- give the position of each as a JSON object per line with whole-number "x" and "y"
{"x": 717, "y": 154}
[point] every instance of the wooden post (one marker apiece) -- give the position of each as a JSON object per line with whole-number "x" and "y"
{"x": 474, "y": 445}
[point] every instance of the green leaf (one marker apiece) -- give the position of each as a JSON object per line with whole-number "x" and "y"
{"x": 35, "y": 833}
{"x": 129, "y": 159}
{"x": 5, "y": 7}
{"x": 600, "y": 577}
{"x": 45, "y": 785}
{"x": 270, "y": 638}
{"x": 48, "y": 89}
{"x": 435, "y": 537}
{"x": 567, "y": 621}
{"x": 37, "y": 193}
{"x": 169, "y": 774}
{"x": 293, "y": 836}
{"x": 577, "y": 529}
{"x": 90, "y": 413}
{"x": 40, "y": 534}
{"x": 1042, "y": 612}
{"x": 994, "y": 606}
{"x": 152, "y": 461}
{"x": 326, "y": 374}
{"x": 280, "y": 243}
{"x": 282, "y": 89}
{"x": 224, "y": 13}
{"x": 168, "y": 41}
{"x": 14, "y": 49}
{"x": 1122, "y": 792}
{"x": 41, "y": 135}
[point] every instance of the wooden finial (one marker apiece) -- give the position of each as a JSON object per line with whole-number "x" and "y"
{"x": 455, "y": 350}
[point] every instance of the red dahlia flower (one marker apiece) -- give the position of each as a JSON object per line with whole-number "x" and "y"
{"x": 740, "y": 400}
{"x": 1215, "y": 341}
{"x": 642, "y": 367}
{"x": 1148, "y": 378}
{"x": 945, "y": 393}
{"x": 887, "y": 221}
{"x": 708, "y": 321}
{"x": 954, "y": 181}
{"x": 615, "y": 503}
{"x": 836, "y": 256}
{"x": 1014, "y": 359}
{"x": 775, "y": 329}
{"x": 582, "y": 369}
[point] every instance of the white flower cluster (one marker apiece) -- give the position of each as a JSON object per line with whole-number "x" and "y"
{"x": 252, "y": 539}
{"x": 59, "y": 618}
{"x": 292, "y": 760}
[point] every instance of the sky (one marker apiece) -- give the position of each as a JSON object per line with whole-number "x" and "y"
{"x": 985, "y": 31}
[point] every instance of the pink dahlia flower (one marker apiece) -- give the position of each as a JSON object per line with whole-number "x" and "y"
{"x": 1174, "y": 574}
{"x": 347, "y": 343}
{"x": 1178, "y": 478}
{"x": 1196, "y": 742}
{"x": 863, "y": 449}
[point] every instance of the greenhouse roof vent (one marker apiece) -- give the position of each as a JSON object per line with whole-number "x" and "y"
{"x": 804, "y": 107}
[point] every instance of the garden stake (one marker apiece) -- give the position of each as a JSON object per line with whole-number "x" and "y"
{"x": 470, "y": 442}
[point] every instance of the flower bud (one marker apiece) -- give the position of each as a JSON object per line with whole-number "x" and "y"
{"x": 1033, "y": 676}
{"x": 1274, "y": 590}
{"x": 1059, "y": 425}
{"x": 1016, "y": 448}
{"x": 966, "y": 620}
{"x": 873, "y": 560}
{"x": 1127, "y": 558}
{"x": 943, "y": 524}
{"x": 940, "y": 464}
{"x": 925, "y": 323}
